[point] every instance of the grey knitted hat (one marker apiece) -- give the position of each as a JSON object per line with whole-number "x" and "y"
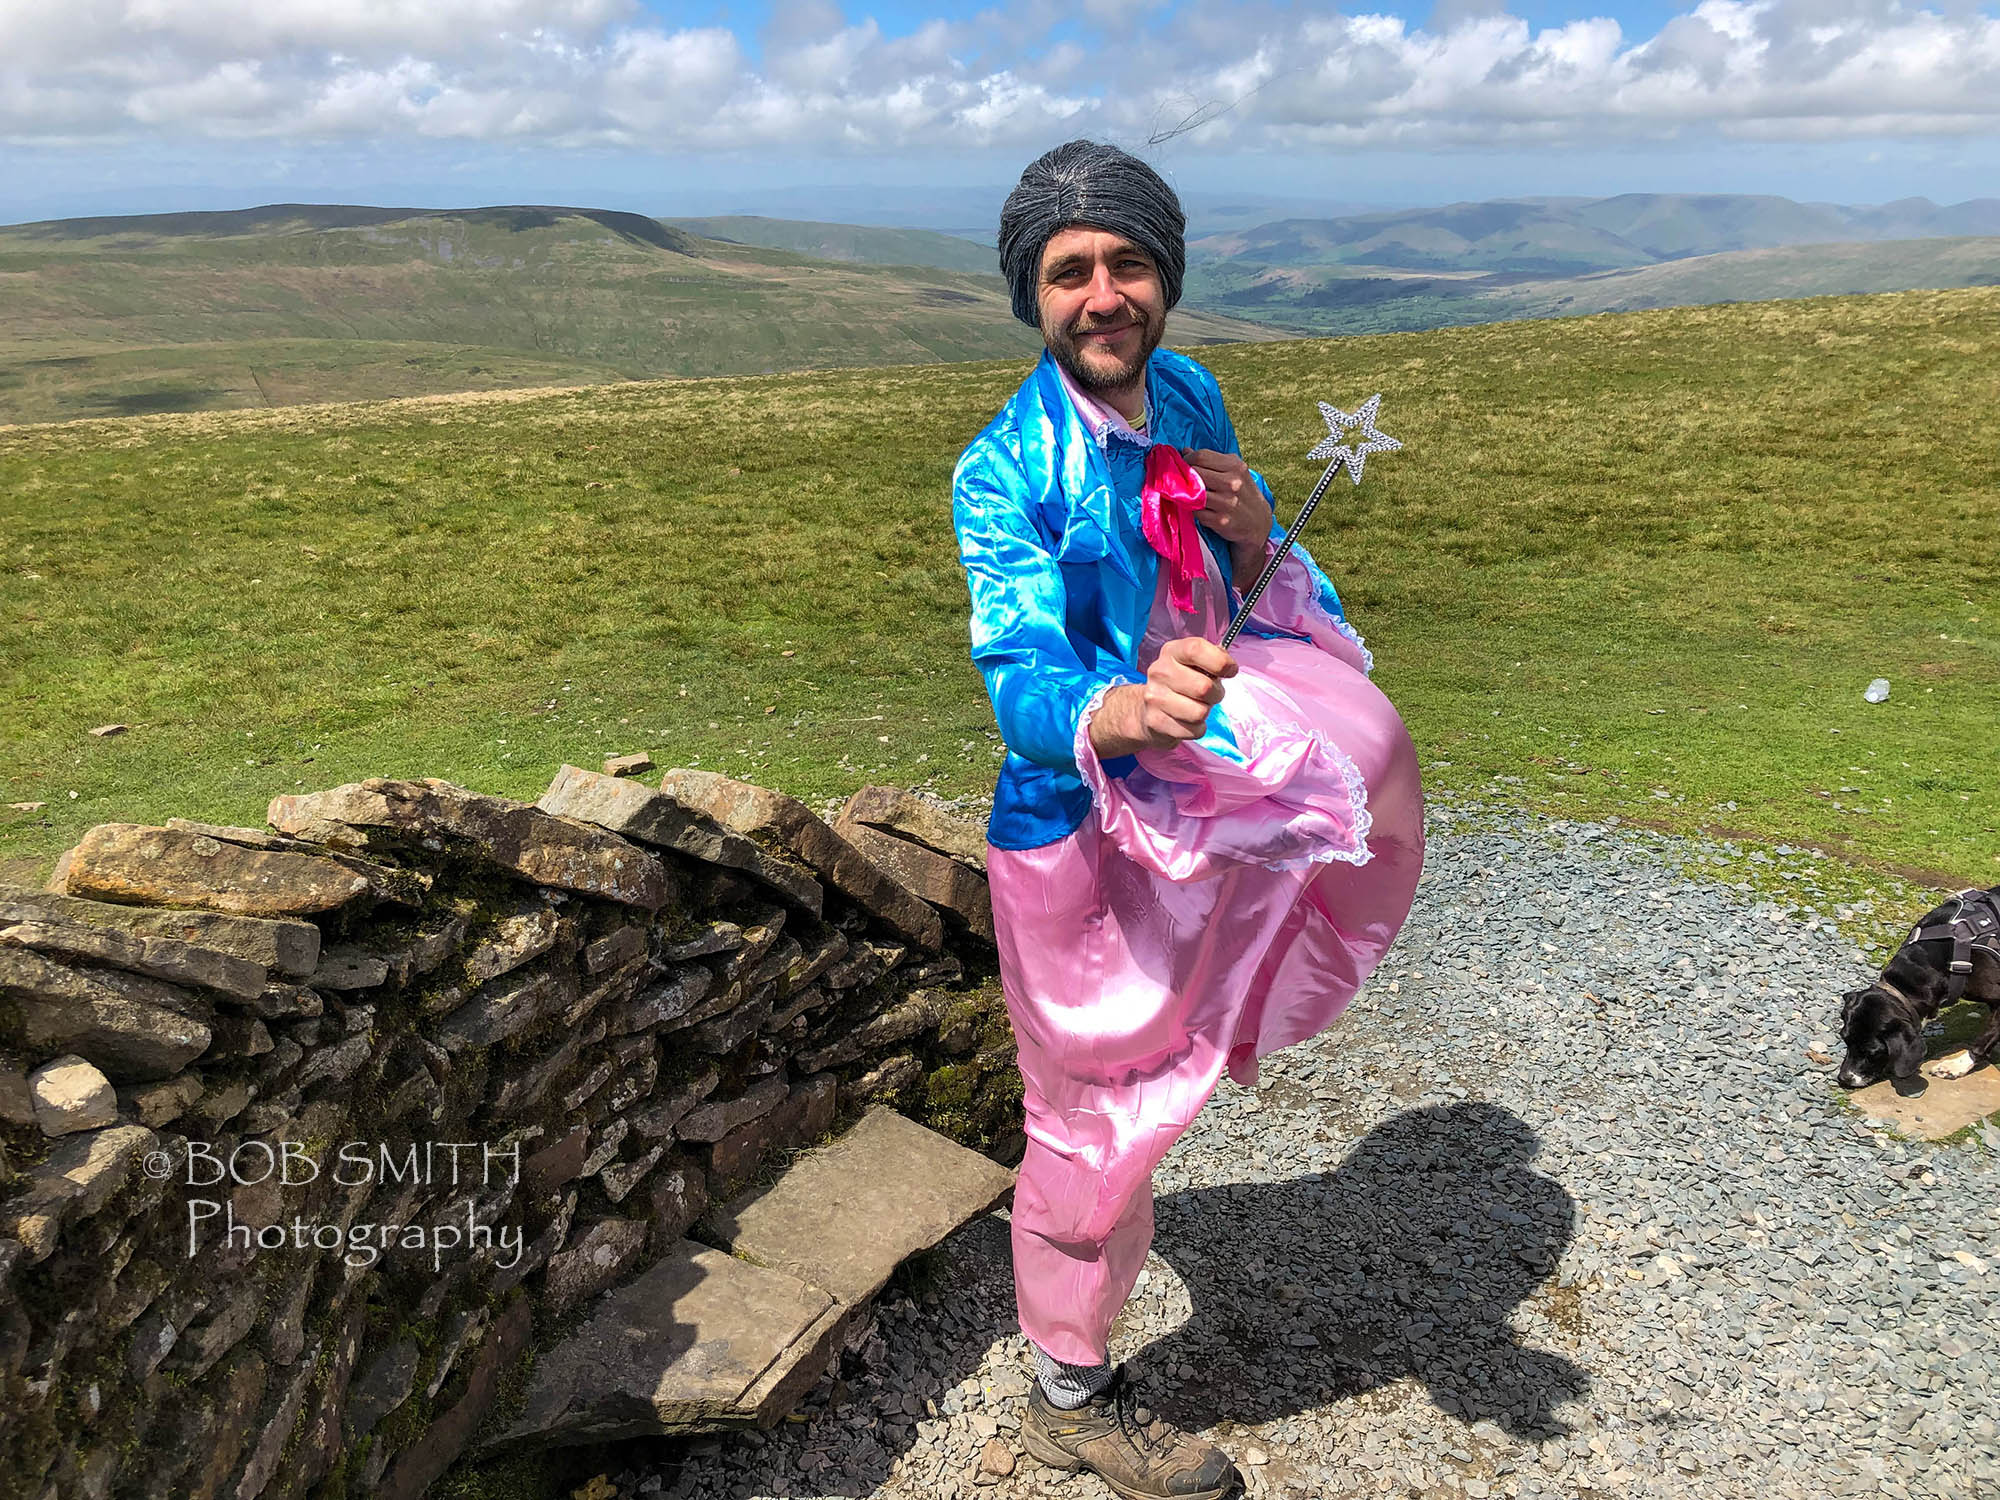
{"x": 1087, "y": 182}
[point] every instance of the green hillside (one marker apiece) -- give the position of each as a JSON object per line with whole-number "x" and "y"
{"x": 1640, "y": 565}
{"x": 1502, "y": 236}
{"x": 192, "y": 312}
{"x": 852, "y": 242}
{"x": 1362, "y": 299}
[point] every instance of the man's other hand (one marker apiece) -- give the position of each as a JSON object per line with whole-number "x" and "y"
{"x": 1235, "y": 509}
{"x": 1182, "y": 684}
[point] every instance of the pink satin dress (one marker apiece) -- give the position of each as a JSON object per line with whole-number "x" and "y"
{"x": 1210, "y": 910}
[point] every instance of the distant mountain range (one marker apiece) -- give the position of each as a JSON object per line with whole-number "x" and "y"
{"x": 1539, "y": 257}
{"x": 1565, "y": 236}
{"x": 292, "y": 303}
{"x": 862, "y": 243}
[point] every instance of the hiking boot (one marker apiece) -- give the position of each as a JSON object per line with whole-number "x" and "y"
{"x": 1138, "y": 1453}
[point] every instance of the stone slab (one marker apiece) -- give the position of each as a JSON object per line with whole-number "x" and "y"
{"x": 896, "y": 811}
{"x": 842, "y": 1218}
{"x": 700, "y": 1341}
{"x": 135, "y": 1029}
{"x": 955, "y": 889}
{"x": 772, "y": 818}
{"x": 287, "y": 946}
{"x": 655, "y": 817}
{"x": 1946, "y": 1106}
{"x": 533, "y": 842}
{"x": 171, "y": 959}
{"x": 143, "y": 866}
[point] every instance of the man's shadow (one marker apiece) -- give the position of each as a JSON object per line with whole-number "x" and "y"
{"x": 1406, "y": 1262}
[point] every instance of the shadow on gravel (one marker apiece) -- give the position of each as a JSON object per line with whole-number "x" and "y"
{"x": 1404, "y": 1263}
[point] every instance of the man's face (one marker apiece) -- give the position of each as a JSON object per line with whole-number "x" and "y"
{"x": 1103, "y": 308}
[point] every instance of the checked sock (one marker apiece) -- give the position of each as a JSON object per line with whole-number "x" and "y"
{"x": 1069, "y": 1386}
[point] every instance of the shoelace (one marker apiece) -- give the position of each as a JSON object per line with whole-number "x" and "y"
{"x": 1135, "y": 1420}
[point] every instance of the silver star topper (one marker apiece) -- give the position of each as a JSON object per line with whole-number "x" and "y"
{"x": 1356, "y": 457}
{"x": 1341, "y": 455}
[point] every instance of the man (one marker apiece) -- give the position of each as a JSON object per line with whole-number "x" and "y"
{"x": 1196, "y": 857}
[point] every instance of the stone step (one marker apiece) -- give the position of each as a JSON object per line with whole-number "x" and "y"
{"x": 844, "y": 1217}
{"x": 710, "y": 1339}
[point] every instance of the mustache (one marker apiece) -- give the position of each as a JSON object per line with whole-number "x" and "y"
{"x": 1084, "y": 323}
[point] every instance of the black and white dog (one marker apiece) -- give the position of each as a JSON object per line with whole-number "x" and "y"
{"x": 1952, "y": 954}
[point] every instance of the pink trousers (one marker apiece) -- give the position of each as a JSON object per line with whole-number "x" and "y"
{"x": 1221, "y": 901}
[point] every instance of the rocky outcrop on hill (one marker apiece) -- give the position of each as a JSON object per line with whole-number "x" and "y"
{"x": 309, "y": 1134}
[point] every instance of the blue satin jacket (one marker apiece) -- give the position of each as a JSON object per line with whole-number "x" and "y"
{"x": 1062, "y": 578}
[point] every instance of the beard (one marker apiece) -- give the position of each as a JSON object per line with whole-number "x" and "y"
{"x": 1094, "y": 368}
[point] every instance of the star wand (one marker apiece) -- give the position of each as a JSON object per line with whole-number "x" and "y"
{"x": 1353, "y": 458}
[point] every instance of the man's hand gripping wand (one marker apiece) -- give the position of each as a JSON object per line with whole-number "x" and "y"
{"x": 1340, "y": 454}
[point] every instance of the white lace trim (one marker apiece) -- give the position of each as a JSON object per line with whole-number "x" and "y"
{"x": 1357, "y": 794}
{"x": 1258, "y": 735}
{"x": 1107, "y": 429}
{"x": 1087, "y": 760}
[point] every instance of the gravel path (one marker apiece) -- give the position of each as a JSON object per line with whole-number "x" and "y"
{"x": 1562, "y": 1208}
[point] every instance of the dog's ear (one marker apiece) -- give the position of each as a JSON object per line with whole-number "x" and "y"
{"x": 1905, "y": 1041}
{"x": 1847, "y": 1003}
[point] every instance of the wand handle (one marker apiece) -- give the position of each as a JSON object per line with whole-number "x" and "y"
{"x": 1277, "y": 558}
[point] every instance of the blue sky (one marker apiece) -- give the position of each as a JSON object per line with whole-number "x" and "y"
{"x": 138, "y": 105}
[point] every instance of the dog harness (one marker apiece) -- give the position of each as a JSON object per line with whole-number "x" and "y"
{"x": 1973, "y": 927}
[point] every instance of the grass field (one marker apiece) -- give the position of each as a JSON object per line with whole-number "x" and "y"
{"x": 1641, "y": 565}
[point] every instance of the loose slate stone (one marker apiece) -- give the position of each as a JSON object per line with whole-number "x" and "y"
{"x": 76, "y": 1180}
{"x": 528, "y": 933}
{"x": 842, "y": 1218}
{"x": 668, "y": 1111}
{"x": 17, "y": 1101}
{"x": 909, "y": 816}
{"x": 883, "y": 1081}
{"x": 715, "y": 937}
{"x": 162, "y": 1103}
{"x": 805, "y": 1114}
{"x": 730, "y": 1030}
{"x": 170, "y": 959}
{"x": 504, "y": 1009}
{"x": 71, "y": 1095}
{"x": 678, "y": 1196}
{"x": 289, "y": 947}
{"x": 522, "y": 1091}
{"x": 776, "y": 820}
{"x": 530, "y": 841}
{"x": 712, "y": 1121}
{"x": 917, "y": 1013}
{"x": 616, "y": 947}
{"x": 701, "y": 1340}
{"x": 345, "y": 967}
{"x": 656, "y": 818}
{"x": 591, "y": 1262}
{"x": 135, "y": 1029}
{"x": 672, "y": 997}
{"x": 937, "y": 878}
{"x": 145, "y": 866}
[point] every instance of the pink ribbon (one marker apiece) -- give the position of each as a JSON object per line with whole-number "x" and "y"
{"x": 1172, "y": 493}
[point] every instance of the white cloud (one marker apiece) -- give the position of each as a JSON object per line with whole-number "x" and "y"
{"x": 605, "y": 73}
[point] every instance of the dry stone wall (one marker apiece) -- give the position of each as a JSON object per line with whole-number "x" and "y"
{"x": 240, "y": 1253}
